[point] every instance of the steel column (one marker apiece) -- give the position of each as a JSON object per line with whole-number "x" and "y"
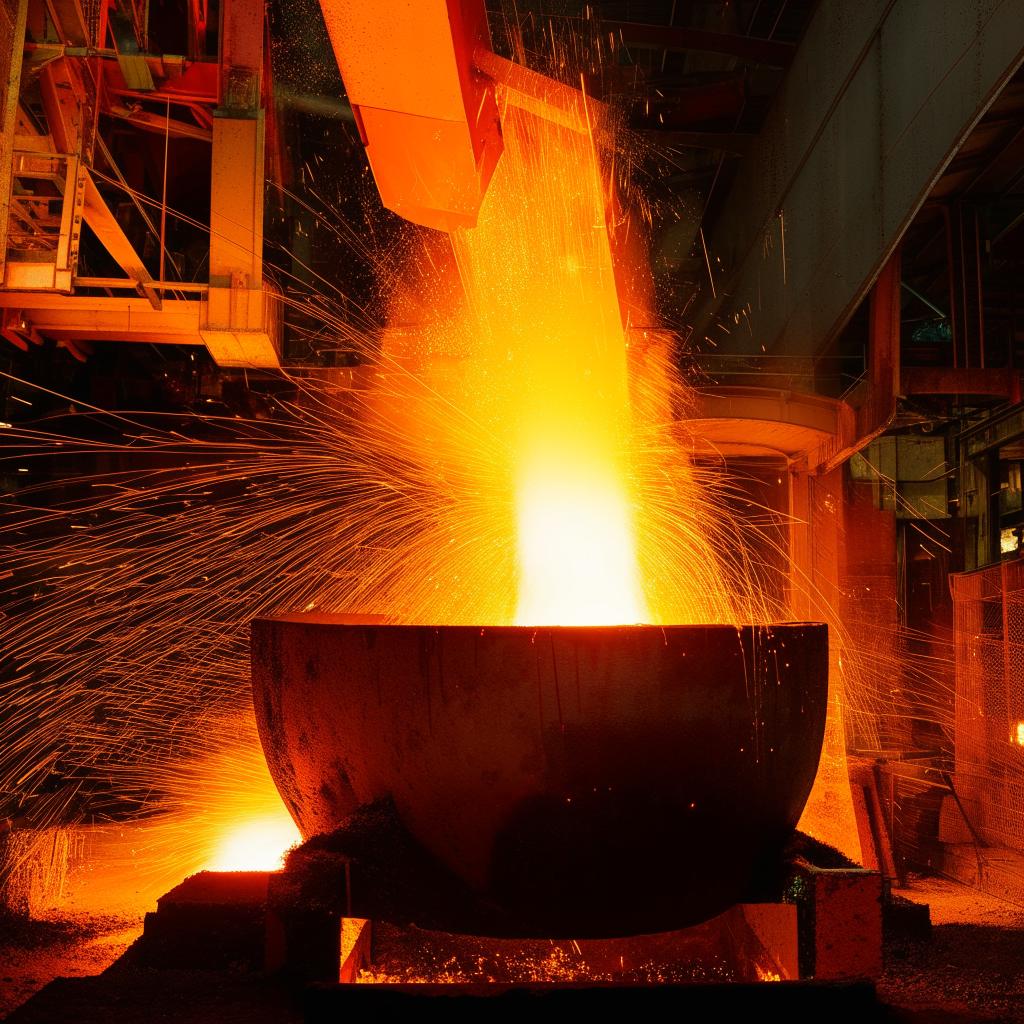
{"x": 240, "y": 322}
{"x": 12, "y": 17}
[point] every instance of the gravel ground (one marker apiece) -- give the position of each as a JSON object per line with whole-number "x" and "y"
{"x": 972, "y": 968}
{"x": 33, "y": 953}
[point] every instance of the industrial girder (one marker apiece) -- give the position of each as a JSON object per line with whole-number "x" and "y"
{"x": 241, "y": 315}
{"x": 237, "y": 316}
{"x": 12, "y": 34}
{"x": 876, "y": 102}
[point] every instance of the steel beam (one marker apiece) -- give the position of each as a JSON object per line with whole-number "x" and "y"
{"x": 877, "y": 101}
{"x": 676, "y": 37}
{"x": 237, "y": 326}
{"x": 110, "y": 233}
{"x": 12, "y": 22}
{"x": 875, "y": 398}
{"x": 71, "y": 24}
{"x": 240, "y": 318}
{"x": 99, "y": 318}
{"x": 996, "y": 431}
{"x": 1000, "y": 382}
{"x": 150, "y": 122}
{"x": 236, "y": 206}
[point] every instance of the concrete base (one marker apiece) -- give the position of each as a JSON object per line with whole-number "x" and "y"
{"x": 298, "y": 925}
{"x": 288, "y": 946}
{"x": 839, "y": 920}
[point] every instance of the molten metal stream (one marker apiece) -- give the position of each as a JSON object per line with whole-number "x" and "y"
{"x": 538, "y": 270}
{"x": 556, "y": 490}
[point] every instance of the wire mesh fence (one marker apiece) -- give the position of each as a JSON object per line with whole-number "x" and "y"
{"x": 989, "y": 710}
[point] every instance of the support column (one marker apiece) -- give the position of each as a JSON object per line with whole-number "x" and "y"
{"x": 816, "y": 548}
{"x": 241, "y": 325}
{"x": 12, "y": 34}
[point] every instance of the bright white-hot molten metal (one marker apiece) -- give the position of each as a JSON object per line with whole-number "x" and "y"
{"x": 543, "y": 309}
{"x": 577, "y": 556}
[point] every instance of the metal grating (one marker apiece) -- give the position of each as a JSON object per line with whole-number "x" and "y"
{"x": 989, "y": 711}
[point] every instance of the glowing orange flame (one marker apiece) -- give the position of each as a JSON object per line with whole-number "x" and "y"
{"x": 542, "y": 295}
{"x": 238, "y": 817}
{"x": 256, "y": 845}
{"x": 543, "y": 427}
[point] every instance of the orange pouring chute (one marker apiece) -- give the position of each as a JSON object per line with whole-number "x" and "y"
{"x": 428, "y": 119}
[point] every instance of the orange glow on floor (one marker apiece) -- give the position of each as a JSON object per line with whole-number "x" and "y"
{"x": 256, "y": 845}
{"x": 230, "y": 808}
{"x": 221, "y": 812}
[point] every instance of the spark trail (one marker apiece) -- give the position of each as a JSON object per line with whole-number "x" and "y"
{"x": 506, "y": 453}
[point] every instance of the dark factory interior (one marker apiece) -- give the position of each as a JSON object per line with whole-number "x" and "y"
{"x": 515, "y": 504}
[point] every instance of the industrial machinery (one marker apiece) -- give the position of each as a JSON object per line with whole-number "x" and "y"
{"x": 427, "y": 115}
{"x": 425, "y": 111}
{"x": 827, "y": 240}
{"x": 549, "y": 768}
